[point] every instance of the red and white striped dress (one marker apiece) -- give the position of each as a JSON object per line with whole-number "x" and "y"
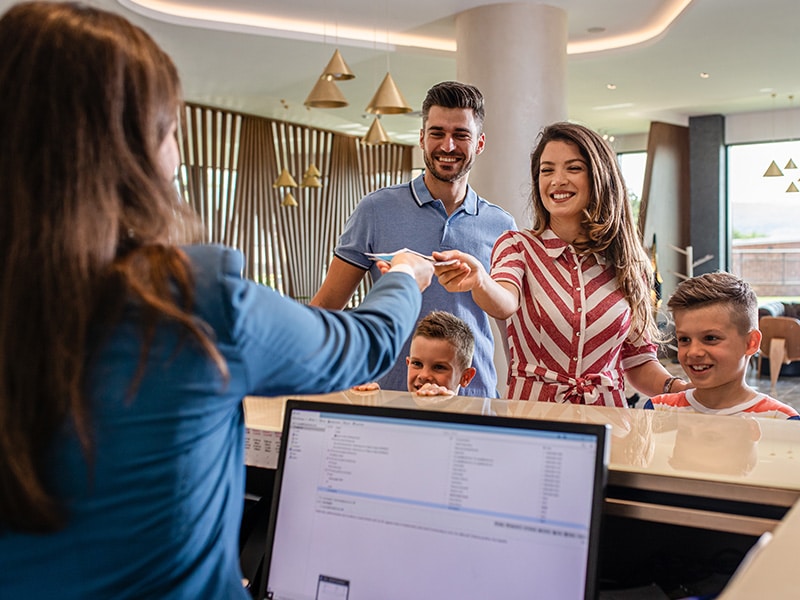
{"x": 568, "y": 340}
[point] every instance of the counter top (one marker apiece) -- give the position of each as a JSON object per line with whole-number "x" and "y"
{"x": 731, "y": 459}
{"x": 755, "y": 452}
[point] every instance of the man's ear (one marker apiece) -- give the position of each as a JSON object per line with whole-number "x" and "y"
{"x": 467, "y": 376}
{"x": 753, "y": 342}
{"x": 481, "y": 144}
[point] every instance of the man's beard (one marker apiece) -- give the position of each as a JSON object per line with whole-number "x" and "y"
{"x": 447, "y": 177}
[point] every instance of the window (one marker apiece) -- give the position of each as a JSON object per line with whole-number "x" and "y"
{"x": 632, "y": 165}
{"x": 764, "y": 212}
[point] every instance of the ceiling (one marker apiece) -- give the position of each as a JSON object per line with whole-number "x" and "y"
{"x": 242, "y": 59}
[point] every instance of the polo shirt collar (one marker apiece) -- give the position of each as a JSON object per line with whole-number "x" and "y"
{"x": 554, "y": 246}
{"x": 422, "y": 196}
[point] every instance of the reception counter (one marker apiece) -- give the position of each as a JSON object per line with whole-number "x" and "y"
{"x": 724, "y": 480}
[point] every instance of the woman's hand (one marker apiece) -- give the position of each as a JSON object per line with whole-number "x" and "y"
{"x": 458, "y": 271}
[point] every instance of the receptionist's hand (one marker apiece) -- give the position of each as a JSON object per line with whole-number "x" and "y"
{"x": 420, "y": 268}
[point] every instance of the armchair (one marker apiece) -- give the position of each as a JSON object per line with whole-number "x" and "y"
{"x": 780, "y": 343}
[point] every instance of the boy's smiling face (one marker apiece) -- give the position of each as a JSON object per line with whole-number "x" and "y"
{"x": 434, "y": 361}
{"x": 711, "y": 349}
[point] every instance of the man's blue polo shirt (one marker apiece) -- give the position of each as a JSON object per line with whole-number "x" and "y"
{"x": 407, "y": 216}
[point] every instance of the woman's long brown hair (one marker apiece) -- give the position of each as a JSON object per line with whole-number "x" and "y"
{"x": 87, "y": 221}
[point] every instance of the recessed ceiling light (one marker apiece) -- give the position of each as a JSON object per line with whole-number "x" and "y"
{"x": 704, "y": 75}
{"x": 596, "y": 29}
{"x": 611, "y": 86}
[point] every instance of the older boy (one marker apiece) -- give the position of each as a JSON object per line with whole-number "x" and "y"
{"x": 716, "y": 327}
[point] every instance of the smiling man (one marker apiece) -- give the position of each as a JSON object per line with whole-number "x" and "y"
{"x": 435, "y": 212}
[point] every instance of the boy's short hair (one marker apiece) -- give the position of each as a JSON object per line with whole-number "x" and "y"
{"x": 442, "y": 325}
{"x": 719, "y": 288}
{"x": 454, "y": 94}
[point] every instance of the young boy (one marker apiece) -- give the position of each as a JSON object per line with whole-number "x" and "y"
{"x": 440, "y": 357}
{"x": 716, "y": 328}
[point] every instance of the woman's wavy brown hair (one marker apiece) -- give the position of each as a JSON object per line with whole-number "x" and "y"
{"x": 607, "y": 220}
{"x": 88, "y": 220}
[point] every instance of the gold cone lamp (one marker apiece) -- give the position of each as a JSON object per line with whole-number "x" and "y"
{"x": 288, "y": 200}
{"x": 285, "y": 179}
{"x": 311, "y": 181}
{"x": 790, "y": 165}
{"x": 792, "y": 188}
{"x": 311, "y": 177}
{"x": 376, "y": 134}
{"x": 773, "y": 170}
{"x": 325, "y": 94}
{"x": 387, "y": 99}
{"x": 337, "y": 69}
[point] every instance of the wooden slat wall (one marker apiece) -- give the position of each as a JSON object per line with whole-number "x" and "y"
{"x": 229, "y": 164}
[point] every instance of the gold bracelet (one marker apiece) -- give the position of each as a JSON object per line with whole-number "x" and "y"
{"x": 668, "y": 384}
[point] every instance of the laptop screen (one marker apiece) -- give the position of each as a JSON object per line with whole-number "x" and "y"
{"x": 392, "y": 503}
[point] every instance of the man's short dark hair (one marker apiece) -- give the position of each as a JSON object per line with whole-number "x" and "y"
{"x": 454, "y": 94}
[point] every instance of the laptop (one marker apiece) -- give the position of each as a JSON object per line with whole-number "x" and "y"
{"x": 380, "y": 503}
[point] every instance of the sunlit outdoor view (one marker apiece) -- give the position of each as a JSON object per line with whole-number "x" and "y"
{"x": 765, "y": 213}
{"x": 632, "y": 165}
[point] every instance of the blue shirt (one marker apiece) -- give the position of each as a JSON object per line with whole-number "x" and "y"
{"x": 407, "y": 216}
{"x": 157, "y": 514}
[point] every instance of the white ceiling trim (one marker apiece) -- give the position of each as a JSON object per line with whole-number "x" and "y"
{"x": 180, "y": 13}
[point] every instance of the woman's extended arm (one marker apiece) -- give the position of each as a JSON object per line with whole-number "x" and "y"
{"x": 498, "y": 299}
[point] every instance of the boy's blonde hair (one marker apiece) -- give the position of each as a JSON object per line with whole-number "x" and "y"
{"x": 719, "y": 288}
{"x": 442, "y": 325}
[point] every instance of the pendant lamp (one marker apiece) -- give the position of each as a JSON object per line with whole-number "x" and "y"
{"x": 288, "y": 200}
{"x": 790, "y": 164}
{"x": 285, "y": 179}
{"x": 376, "y": 134}
{"x": 773, "y": 170}
{"x": 311, "y": 177}
{"x": 792, "y": 188}
{"x": 387, "y": 99}
{"x": 325, "y": 94}
{"x": 337, "y": 69}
